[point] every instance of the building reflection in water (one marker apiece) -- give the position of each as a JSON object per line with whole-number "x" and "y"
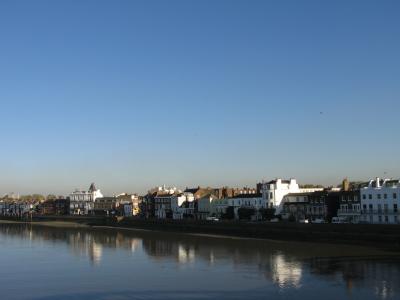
{"x": 381, "y": 274}
{"x": 285, "y": 272}
{"x": 280, "y": 263}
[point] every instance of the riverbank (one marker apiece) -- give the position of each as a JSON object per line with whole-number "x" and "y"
{"x": 382, "y": 236}
{"x": 59, "y": 224}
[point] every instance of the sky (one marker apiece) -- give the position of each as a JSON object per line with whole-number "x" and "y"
{"x": 134, "y": 94}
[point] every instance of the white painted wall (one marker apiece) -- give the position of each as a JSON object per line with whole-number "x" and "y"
{"x": 379, "y": 201}
{"x": 82, "y": 202}
{"x": 274, "y": 191}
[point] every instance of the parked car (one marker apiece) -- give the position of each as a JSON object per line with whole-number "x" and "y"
{"x": 274, "y": 220}
{"x": 212, "y": 219}
{"x": 305, "y": 221}
{"x": 339, "y": 220}
{"x": 319, "y": 221}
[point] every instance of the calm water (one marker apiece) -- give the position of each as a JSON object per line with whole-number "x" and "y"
{"x": 57, "y": 263}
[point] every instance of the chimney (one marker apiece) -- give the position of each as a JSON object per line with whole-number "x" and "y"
{"x": 378, "y": 182}
{"x": 345, "y": 185}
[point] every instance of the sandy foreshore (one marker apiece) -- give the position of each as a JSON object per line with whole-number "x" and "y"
{"x": 61, "y": 224}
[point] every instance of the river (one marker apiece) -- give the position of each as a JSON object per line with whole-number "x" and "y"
{"x": 42, "y": 262}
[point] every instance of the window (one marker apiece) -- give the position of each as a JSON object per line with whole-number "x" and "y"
{"x": 370, "y": 207}
{"x": 271, "y": 196}
{"x": 370, "y": 196}
{"x": 385, "y": 207}
{"x": 395, "y": 207}
{"x": 364, "y": 196}
{"x": 380, "y": 219}
{"x": 386, "y": 219}
{"x": 394, "y": 196}
{"x": 379, "y": 207}
{"x": 364, "y": 206}
{"x": 378, "y": 196}
{"x": 384, "y": 196}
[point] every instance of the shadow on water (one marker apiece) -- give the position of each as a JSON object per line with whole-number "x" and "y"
{"x": 285, "y": 265}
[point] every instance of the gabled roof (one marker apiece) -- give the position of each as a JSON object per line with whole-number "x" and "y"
{"x": 92, "y": 188}
{"x": 199, "y": 191}
{"x": 191, "y": 190}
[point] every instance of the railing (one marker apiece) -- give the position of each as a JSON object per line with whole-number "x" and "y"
{"x": 349, "y": 211}
{"x": 380, "y": 212}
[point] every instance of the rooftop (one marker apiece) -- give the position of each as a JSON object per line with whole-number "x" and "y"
{"x": 248, "y": 196}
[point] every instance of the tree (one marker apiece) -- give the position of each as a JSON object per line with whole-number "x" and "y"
{"x": 292, "y": 218}
{"x": 267, "y": 213}
{"x": 246, "y": 213}
{"x": 33, "y": 198}
{"x": 229, "y": 213}
{"x": 38, "y": 197}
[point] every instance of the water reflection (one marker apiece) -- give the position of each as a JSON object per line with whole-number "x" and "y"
{"x": 284, "y": 265}
{"x": 380, "y": 274}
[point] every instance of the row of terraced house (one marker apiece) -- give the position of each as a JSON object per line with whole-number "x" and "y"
{"x": 90, "y": 202}
{"x": 375, "y": 201}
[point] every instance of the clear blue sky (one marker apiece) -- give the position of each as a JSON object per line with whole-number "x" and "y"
{"x": 130, "y": 94}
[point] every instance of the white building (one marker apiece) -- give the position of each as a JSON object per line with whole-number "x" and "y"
{"x": 182, "y": 205}
{"x": 218, "y": 207}
{"x": 82, "y": 202}
{"x": 274, "y": 191}
{"x": 174, "y": 206}
{"x": 252, "y": 201}
{"x": 204, "y": 206}
{"x": 14, "y": 208}
{"x": 380, "y": 201}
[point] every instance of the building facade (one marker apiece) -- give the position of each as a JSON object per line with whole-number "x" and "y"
{"x": 82, "y": 202}
{"x": 105, "y": 206}
{"x": 204, "y": 205}
{"x": 274, "y": 191}
{"x": 251, "y": 202}
{"x": 350, "y": 206}
{"x": 380, "y": 201}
